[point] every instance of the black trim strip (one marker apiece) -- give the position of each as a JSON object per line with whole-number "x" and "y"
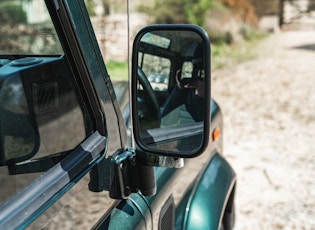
{"x": 75, "y": 53}
{"x": 27, "y": 202}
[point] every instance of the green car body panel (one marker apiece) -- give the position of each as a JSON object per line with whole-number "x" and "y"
{"x": 200, "y": 216}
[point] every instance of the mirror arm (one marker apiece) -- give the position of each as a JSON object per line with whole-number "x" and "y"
{"x": 159, "y": 161}
{"x": 134, "y": 171}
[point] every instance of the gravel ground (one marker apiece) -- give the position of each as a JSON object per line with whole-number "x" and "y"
{"x": 268, "y": 105}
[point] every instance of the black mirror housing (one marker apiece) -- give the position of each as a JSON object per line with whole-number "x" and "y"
{"x": 171, "y": 82}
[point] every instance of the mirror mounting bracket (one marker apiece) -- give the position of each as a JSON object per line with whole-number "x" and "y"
{"x": 131, "y": 176}
{"x": 134, "y": 172}
{"x": 160, "y": 161}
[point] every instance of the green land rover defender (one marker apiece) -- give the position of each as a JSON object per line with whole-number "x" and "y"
{"x": 81, "y": 150}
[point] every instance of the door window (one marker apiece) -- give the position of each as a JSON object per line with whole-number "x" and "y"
{"x": 42, "y": 115}
{"x": 157, "y": 73}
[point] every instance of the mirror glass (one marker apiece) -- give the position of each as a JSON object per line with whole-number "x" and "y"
{"x": 171, "y": 89}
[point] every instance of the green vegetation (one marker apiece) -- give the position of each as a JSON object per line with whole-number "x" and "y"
{"x": 179, "y": 11}
{"x": 117, "y": 70}
{"x": 223, "y": 54}
{"x": 229, "y": 23}
{"x": 90, "y": 6}
{"x": 11, "y": 12}
{"x": 196, "y": 10}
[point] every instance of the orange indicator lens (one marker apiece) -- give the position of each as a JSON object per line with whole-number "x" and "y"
{"x": 215, "y": 134}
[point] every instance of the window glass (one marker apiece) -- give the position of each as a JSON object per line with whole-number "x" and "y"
{"x": 187, "y": 69}
{"x": 25, "y": 28}
{"x": 41, "y": 114}
{"x": 156, "y": 40}
{"x": 109, "y": 21}
{"x": 158, "y": 73}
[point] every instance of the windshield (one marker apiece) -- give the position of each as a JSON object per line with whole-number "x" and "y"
{"x": 26, "y": 29}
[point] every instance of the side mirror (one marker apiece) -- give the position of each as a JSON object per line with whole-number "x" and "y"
{"x": 171, "y": 90}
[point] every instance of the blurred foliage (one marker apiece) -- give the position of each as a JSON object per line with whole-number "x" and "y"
{"x": 11, "y": 12}
{"x": 166, "y": 12}
{"x": 90, "y": 6}
{"x": 196, "y": 10}
{"x": 11, "y": 15}
{"x": 18, "y": 36}
{"x": 250, "y": 33}
{"x": 117, "y": 70}
{"x": 223, "y": 54}
{"x": 231, "y": 25}
{"x": 244, "y": 9}
{"x": 226, "y": 21}
{"x": 178, "y": 11}
{"x": 108, "y": 6}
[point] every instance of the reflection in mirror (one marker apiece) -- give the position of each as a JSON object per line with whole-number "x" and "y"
{"x": 172, "y": 89}
{"x": 19, "y": 135}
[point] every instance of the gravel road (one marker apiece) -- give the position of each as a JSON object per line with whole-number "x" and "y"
{"x": 268, "y": 105}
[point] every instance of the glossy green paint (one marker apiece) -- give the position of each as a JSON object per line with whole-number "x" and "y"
{"x": 163, "y": 176}
{"x": 202, "y": 206}
{"x": 129, "y": 214}
{"x": 209, "y": 196}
